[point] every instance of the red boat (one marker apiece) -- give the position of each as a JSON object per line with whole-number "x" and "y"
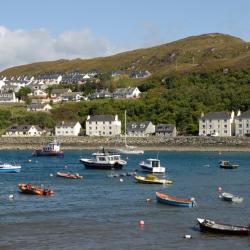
{"x": 69, "y": 175}
{"x": 36, "y": 190}
{"x": 50, "y": 149}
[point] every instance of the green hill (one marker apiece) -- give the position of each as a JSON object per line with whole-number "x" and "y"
{"x": 196, "y": 53}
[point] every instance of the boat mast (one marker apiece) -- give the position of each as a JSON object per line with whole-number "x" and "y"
{"x": 125, "y": 132}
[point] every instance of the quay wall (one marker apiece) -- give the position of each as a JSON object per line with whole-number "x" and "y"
{"x": 179, "y": 143}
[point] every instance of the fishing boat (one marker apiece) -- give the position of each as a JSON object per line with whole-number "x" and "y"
{"x": 128, "y": 150}
{"x": 151, "y": 179}
{"x": 50, "y": 149}
{"x": 152, "y": 166}
{"x": 9, "y": 168}
{"x": 104, "y": 160}
{"x": 69, "y": 175}
{"x": 227, "y": 165}
{"x": 174, "y": 201}
{"x": 35, "y": 190}
{"x": 213, "y": 227}
{"x": 230, "y": 197}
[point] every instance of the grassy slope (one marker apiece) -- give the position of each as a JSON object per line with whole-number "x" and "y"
{"x": 200, "y": 53}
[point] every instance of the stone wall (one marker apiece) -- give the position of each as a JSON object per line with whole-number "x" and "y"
{"x": 175, "y": 143}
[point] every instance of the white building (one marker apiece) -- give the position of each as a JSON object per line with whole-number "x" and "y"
{"x": 140, "y": 129}
{"x": 103, "y": 125}
{"x": 217, "y": 124}
{"x": 23, "y": 131}
{"x": 242, "y": 123}
{"x": 68, "y": 129}
{"x": 127, "y": 93}
{"x": 39, "y": 107}
{"x": 8, "y": 97}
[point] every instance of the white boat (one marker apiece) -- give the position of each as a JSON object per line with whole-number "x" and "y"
{"x": 230, "y": 197}
{"x": 104, "y": 160}
{"x": 128, "y": 150}
{"x": 152, "y": 166}
{"x": 9, "y": 168}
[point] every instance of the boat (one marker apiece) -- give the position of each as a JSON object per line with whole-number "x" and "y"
{"x": 174, "y": 201}
{"x": 9, "y": 168}
{"x": 104, "y": 160}
{"x": 69, "y": 175}
{"x": 230, "y": 197}
{"x": 50, "y": 149}
{"x": 128, "y": 150}
{"x": 151, "y": 179}
{"x": 213, "y": 227}
{"x": 152, "y": 166}
{"x": 227, "y": 165}
{"x": 35, "y": 190}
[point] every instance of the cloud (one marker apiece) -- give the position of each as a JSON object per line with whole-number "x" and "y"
{"x": 21, "y": 46}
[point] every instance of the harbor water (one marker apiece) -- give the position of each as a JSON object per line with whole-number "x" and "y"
{"x": 98, "y": 212}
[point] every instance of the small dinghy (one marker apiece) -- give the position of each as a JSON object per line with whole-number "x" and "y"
{"x": 69, "y": 175}
{"x": 227, "y": 165}
{"x": 213, "y": 227}
{"x": 151, "y": 179}
{"x": 35, "y": 190}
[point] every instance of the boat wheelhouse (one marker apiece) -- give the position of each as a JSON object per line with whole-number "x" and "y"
{"x": 152, "y": 166}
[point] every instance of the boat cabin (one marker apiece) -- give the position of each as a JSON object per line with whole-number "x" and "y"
{"x": 104, "y": 157}
{"x": 155, "y": 163}
{"x": 52, "y": 146}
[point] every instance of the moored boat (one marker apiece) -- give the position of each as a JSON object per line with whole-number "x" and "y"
{"x": 151, "y": 179}
{"x": 104, "y": 161}
{"x": 152, "y": 166}
{"x": 53, "y": 148}
{"x": 227, "y": 165}
{"x": 213, "y": 227}
{"x": 230, "y": 197}
{"x": 35, "y": 190}
{"x": 69, "y": 175}
{"x": 174, "y": 201}
{"x": 9, "y": 168}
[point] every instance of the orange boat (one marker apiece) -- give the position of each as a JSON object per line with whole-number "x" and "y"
{"x": 36, "y": 190}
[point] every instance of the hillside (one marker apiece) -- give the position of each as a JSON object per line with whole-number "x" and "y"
{"x": 196, "y": 53}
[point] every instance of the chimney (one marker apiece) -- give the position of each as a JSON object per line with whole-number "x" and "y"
{"x": 238, "y": 113}
{"x": 202, "y": 114}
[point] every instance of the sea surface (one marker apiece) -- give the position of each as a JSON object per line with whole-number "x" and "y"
{"x": 99, "y": 212}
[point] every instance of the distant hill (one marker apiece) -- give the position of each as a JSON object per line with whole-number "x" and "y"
{"x": 196, "y": 53}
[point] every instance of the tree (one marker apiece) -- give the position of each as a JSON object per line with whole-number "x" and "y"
{"x": 23, "y": 92}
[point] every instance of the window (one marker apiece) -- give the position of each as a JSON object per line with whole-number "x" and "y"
{"x": 225, "y": 126}
{"x": 218, "y": 126}
{"x": 247, "y": 125}
{"x": 240, "y": 131}
{"x": 225, "y": 120}
{"x": 225, "y": 131}
{"x": 204, "y": 132}
{"x": 110, "y": 127}
{"x": 103, "y": 122}
{"x": 90, "y": 128}
{"x": 103, "y": 133}
{"x": 210, "y": 126}
{"x": 110, "y": 132}
{"x": 203, "y": 121}
{"x": 240, "y": 125}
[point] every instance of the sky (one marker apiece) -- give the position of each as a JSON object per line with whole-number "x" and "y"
{"x": 42, "y": 30}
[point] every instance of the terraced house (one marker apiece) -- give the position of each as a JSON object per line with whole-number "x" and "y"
{"x": 242, "y": 124}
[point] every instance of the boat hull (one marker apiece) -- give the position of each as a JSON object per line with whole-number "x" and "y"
{"x": 101, "y": 166}
{"x": 152, "y": 170}
{"x": 173, "y": 201}
{"x": 144, "y": 180}
{"x": 10, "y": 170}
{"x": 49, "y": 153}
{"x": 34, "y": 190}
{"x": 212, "y": 227}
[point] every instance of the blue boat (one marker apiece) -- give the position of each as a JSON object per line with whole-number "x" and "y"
{"x": 8, "y": 168}
{"x": 174, "y": 201}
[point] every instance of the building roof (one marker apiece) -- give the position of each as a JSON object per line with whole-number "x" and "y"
{"x": 37, "y": 105}
{"x": 66, "y": 124}
{"x": 100, "y": 118}
{"x": 138, "y": 126}
{"x": 21, "y": 128}
{"x": 59, "y": 91}
{"x": 168, "y": 128}
{"x": 124, "y": 91}
{"x": 217, "y": 116}
{"x": 244, "y": 115}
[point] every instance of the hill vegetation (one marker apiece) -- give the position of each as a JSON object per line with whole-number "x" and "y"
{"x": 193, "y": 75}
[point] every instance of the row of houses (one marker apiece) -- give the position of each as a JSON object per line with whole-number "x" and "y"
{"x": 97, "y": 125}
{"x": 225, "y": 124}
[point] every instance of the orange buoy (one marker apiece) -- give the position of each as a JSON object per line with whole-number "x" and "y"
{"x": 219, "y": 189}
{"x": 141, "y": 223}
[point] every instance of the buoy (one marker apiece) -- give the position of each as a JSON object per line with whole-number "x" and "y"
{"x": 219, "y": 189}
{"x": 121, "y": 180}
{"x": 30, "y": 160}
{"x": 141, "y": 223}
{"x": 11, "y": 196}
{"x": 65, "y": 166}
{"x": 187, "y": 236}
{"x": 148, "y": 200}
{"x": 51, "y": 175}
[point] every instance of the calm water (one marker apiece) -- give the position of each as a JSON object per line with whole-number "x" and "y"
{"x": 103, "y": 213}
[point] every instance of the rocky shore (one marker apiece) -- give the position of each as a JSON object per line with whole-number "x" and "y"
{"x": 179, "y": 143}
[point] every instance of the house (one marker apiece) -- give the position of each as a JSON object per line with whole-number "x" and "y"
{"x": 103, "y": 125}
{"x": 168, "y": 130}
{"x": 39, "y": 107}
{"x": 126, "y": 93}
{"x": 68, "y": 129}
{"x": 102, "y": 93}
{"x": 8, "y": 97}
{"x": 216, "y": 124}
{"x": 38, "y": 93}
{"x": 56, "y": 94}
{"x": 23, "y": 131}
{"x": 139, "y": 74}
{"x": 71, "y": 96}
{"x": 140, "y": 129}
{"x": 242, "y": 123}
